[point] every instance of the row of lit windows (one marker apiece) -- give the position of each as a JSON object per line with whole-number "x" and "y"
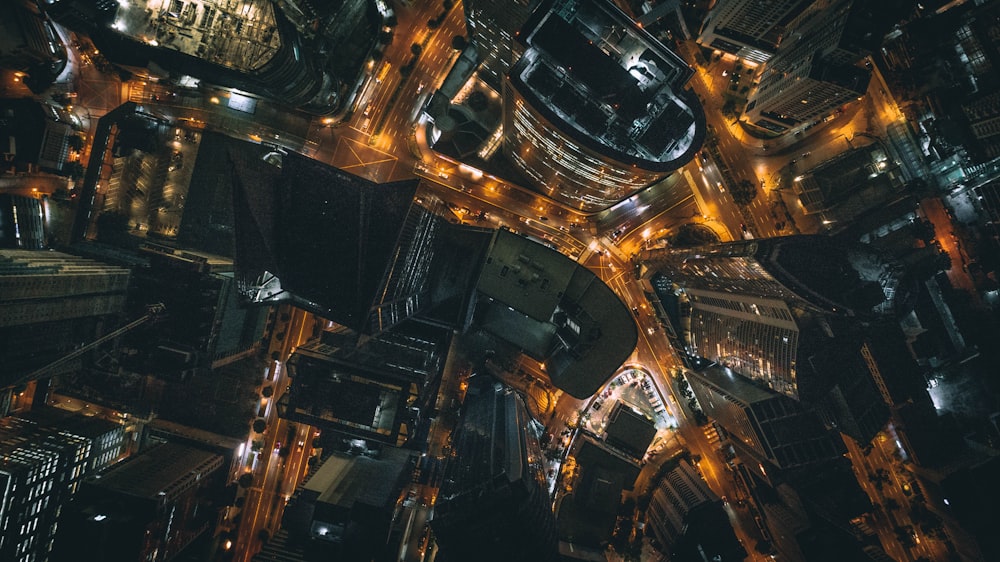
{"x": 755, "y": 350}
{"x": 779, "y": 311}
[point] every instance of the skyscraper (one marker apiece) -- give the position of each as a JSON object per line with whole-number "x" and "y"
{"x": 595, "y": 110}
{"x": 813, "y": 71}
{"x": 252, "y": 45}
{"x": 687, "y": 519}
{"x": 50, "y": 303}
{"x": 784, "y": 312}
{"x": 494, "y": 503}
{"x": 375, "y": 391}
{"x": 358, "y": 253}
{"x": 493, "y": 29}
{"x": 771, "y": 430}
{"x": 749, "y": 29}
{"x": 149, "y": 508}
{"x": 41, "y": 465}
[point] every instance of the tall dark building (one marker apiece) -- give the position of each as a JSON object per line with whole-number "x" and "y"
{"x": 207, "y": 325}
{"x": 594, "y": 109}
{"x": 763, "y": 426}
{"x": 345, "y": 509}
{"x": 51, "y": 303}
{"x": 350, "y": 250}
{"x": 494, "y": 503}
{"x": 29, "y": 43}
{"x": 149, "y": 508}
{"x": 786, "y": 313}
{"x": 493, "y": 29}
{"x": 555, "y": 310}
{"x": 33, "y": 136}
{"x": 43, "y": 460}
{"x": 687, "y": 519}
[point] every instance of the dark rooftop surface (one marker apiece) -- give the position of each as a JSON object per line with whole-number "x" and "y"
{"x": 155, "y": 471}
{"x": 543, "y": 289}
{"x": 630, "y": 431}
{"x": 328, "y": 236}
{"x": 589, "y": 67}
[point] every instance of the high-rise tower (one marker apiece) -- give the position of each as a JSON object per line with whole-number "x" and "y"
{"x": 814, "y": 70}
{"x": 749, "y": 29}
{"x": 50, "y": 303}
{"x": 595, "y": 110}
{"x": 784, "y": 312}
{"x": 493, "y": 29}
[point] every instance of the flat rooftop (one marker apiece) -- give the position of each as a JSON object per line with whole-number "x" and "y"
{"x": 611, "y": 82}
{"x": 159, "y": 471}
{"x": 241, "y": 35}
{"x": 344, "y": 480}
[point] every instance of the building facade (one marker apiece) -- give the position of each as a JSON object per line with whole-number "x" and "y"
{"x": 595, "y": 110}
{"x": 812, "y": 73}
{"x": 374, "y": 392}
{"x": 494, "y": 503}
{"x": 149, "y": 508}
{"x": 749, "y": 29}
{"x": 42, "y": 462}
{"x": 50, "y": 303}
{"x": 493, "y": 29}
{"x": 785, "y": 313}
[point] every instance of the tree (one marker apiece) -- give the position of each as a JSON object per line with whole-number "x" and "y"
{"x": 459, "y": 43}
{"x": 267, "y": 392}
{"x": 284, "y": 451}
{"x": 744, "y": 192}
{"x": 245, "y": 480}
{"x": 259, "y": 425}
{"x": 416, "y": 49}
{"x": 477, "y": 101}
{"x": 74, "y": 169}
{"x": 391, "y": 21}
{"x": 75, "y": 142}
{"x": 729, "y": 107}
{"x": 433, "y": 23}
{"x": 111, "y": 226}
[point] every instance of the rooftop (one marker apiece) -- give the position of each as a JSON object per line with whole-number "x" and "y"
{"x": 238, "y": 35}
{"x": 159, "y": 471}
{"x": 611, "y": 82}
{"x": 630, "y": 431}
{"x": 344, "y": 480}
{"x": 557, "y": 311}
{"x": 311, "y": 233}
